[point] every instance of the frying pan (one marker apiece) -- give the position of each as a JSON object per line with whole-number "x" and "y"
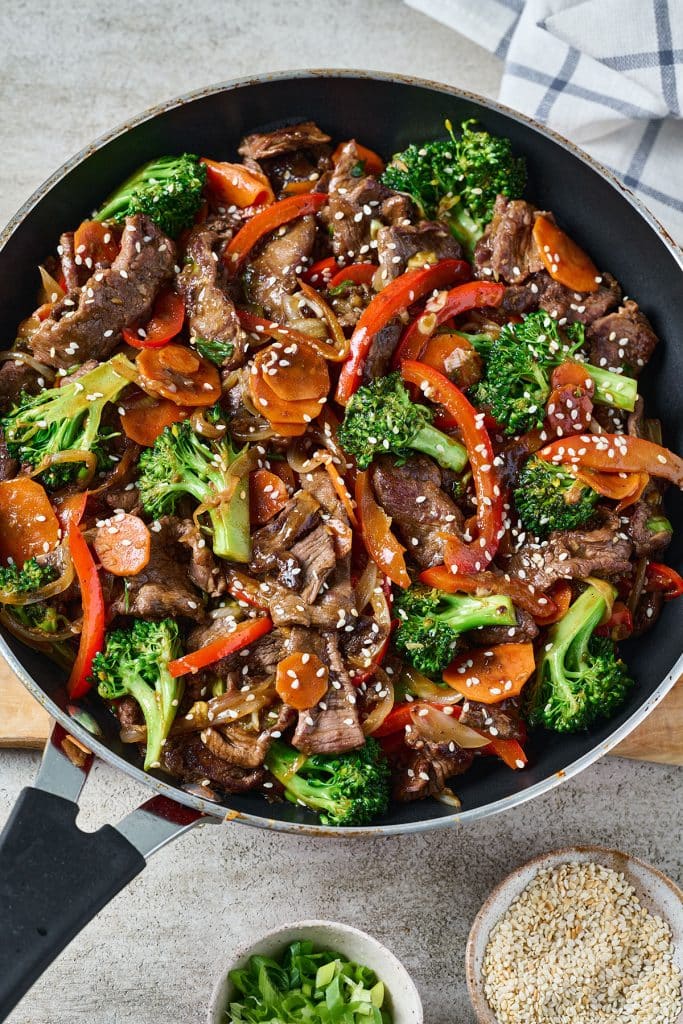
{"x": 53, "y": 877}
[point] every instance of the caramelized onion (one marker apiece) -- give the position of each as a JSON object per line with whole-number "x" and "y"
{"x": 119, "y": 475}
{"x": 201, "y": 425}
{"x": 26, "y": 357}
{"x": 369, "y": 579}
{"x": 425, "y": 689}
{"x": 448, "y": 797}
{"x": 437, "y": 727}
{"x": 50, "y": 290}
{"x": 383, "y": 706}
{"x": 338, "y": 351}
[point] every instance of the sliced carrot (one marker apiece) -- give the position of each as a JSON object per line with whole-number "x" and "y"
{"x": 144, "y": 421}
{"x": 279, "y": 409}
{"x": 564, "y": 260}
{"x": 301, "y": 680}
{"x": 573, "y": 374}
{"x": 617, "y": 487}
{"x": 294, "y": 372}
{"x": 289, "y": 429}
{"x": 454, "y": 356}
{"x": 177, "y": 373}
{"x": 491, "y": 674}
{"x": 267, "y": 496}
{"x": 299, "y": 188}
{"x": 235, "y": 184}
{"x": 122, "y": 545}
{"x": 29, "y": 524}
{"x": 96, "y": 241}
{"x": 511, "y": 752}
{"x": 372, "y": 162}
{"x": 342, "y": 491}
{"x": 561, "y": 595}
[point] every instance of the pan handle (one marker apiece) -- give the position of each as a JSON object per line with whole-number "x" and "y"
{"x": 54, "y": 878}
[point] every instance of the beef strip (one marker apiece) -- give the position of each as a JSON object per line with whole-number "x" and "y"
{"x": 623, "y": 339}
{"x": 354, "y": 202}
{"x": 396, "y": 245}
{"x": 575, "y": 554}
{"x": 111, "y": 299}
{"x": 426, "y": 767}
{"x": 316, "y": 558}
{"x": 419, "y": 524}
{"x": 272, "y": 276}
{"x": 245, "y": 747}
{"x": 378, "y": 359}
{"x": 500, "y": 720}
{"x": 202, "y": 568}
{"x": 17, "y": 376}
{"x": 211, "y": 313}
{"x": 188, "y": 759}
{"x": 271, "y": 543}
{"x": 67, "y": 257}
{"x": 333, "y": 725}
{"x": 645, "y": 542}
{"x": 332, "y": 513}
{"x": 260, "y": 145}
{"x": 507, "y": 251}
{"x": 163, "y": 588}
{"x": 578, "y": 307}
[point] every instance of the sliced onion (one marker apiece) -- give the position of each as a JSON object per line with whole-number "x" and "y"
{"x": 50, "y": 290}
{"x": 58, "y": 586}
{"x": 25, "y": 357}
{"x": 201, "y": 425}
{"x": 119, "y": 475}
{"x": 89, "y": 459}
{"x": 437, "y": 727}
{"x": 229, "y": 707}
{"x": 366, "y": 585}
{"x": 310, "y": 326}
{"x": 383, "y": 706}
{"x": 607, "y": 591}
{"x": 425, "y": 689}
{"x": 448, "y": 797}
{"x": 259, "y": 430}
{"x": 337, "y": 352}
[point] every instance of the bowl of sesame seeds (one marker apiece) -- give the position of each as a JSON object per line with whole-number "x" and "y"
{"x": 582, "y": 935}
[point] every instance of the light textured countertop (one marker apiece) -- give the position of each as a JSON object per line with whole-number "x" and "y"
{"x": 67, "y": 73}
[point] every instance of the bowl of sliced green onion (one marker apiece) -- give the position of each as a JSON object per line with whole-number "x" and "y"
{"x": 316, "y": 971}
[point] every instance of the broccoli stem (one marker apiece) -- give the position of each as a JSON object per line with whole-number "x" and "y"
{"x": 284, "y": 762}
{"x": 573, "y": 631}
{"x": 467, "y": 612}
{"x": 613, "y": 389}
{"x": 448, "y": 452}
{"x": 464, "y": 227}
{"x": 230, "y": 525}
{"x": 155, "y": 718}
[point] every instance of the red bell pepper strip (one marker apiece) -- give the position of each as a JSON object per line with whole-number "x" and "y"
{"x": 395, "y": 298}
{"x": 472, "y": 295}
{"x": 92, "y": 632}
{"x": 509, "y": 751}
{"x": 536, "y": 603}
{"x": 70, "y": 508}
{"x": 619, "y": 626}
{"x": 268, "y": 220}
{"x": 165, "y": 323}
{"x": 244, "y": 588}
{"x": 616, "y": 453}
{"x": 380, "y": 543}
{"x": 245, "y": 634}
{"x": 664, "y": 578}
{"x": 357, "y": 273}
{"x": 321, "y": 272}
{"x": 461, "y": 556}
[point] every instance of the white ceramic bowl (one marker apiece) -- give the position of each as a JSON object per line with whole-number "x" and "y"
{"x": 402, "y": 997}
{"x": 656, "y": 892}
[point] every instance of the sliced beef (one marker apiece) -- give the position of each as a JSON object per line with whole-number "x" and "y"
{"x": 645, "y": 542}
{"x": 421, "y": 511}
{"x": 398, "y": 244}
{"x": 507, "y": 252}
{"x": 575, "y": 554}
{"x": 9, "y": 466}
{"x": 500, "y": 720}
{"x": 122, "y": 499}
{"x": 525, "y": 630}
{"x": 163, "y": 588}
{"x": 271, "y": 543}
{"x": 333, "y": 725}
{"x": 578, "y": 307}
{"x": 70, "y": 268}
{"x": 17, "y": 376}
{"x": 112, "y": 299}
{"x": 623, "y": 339}
{"x": 333, "y": 513}
{"x": 316, "y": 558}
{"x": 354, "y": 202}
{"x": 202, "y": 568}
{"x": 247, "y": 748}
{"x": 261, "y": 145}
{"x": 333, "y": 609}
{"x": 378, "y": 360}
{"x": 271, "y": 277}
{"x": 128, "y": 712}
{"x": 190, "y": 760}
{"x": 426, "y": 767}
{"x": 210, "y": 311}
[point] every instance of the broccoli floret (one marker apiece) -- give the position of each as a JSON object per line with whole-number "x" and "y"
{"x": 181, "y": 462}
{"x": 168, "y": 190}
{"x": 580, "y": 677}
{"x": 549, "y": 497}
{"x": 457, "y": 179}
{"x": 344, "y": 789}
{"x": 66, "y": 419}
{"x": 32, "y": 576}
{"x": 135, "y": 663}
{"x": 431, "y": 621}
{"x": 216, "y": 351}
{"x": 381, "y": 417}
{"x": 516, "y": 383}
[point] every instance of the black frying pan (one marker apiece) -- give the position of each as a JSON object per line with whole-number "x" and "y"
{"x": 54, "y": 878}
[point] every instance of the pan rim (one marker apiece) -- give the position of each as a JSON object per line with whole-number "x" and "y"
{"x": 219, "y": 811}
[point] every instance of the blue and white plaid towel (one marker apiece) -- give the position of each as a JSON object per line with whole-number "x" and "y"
{"x": 607, "y": 74}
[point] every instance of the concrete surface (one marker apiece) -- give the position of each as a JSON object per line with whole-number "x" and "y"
{"x": 67, "y": 73}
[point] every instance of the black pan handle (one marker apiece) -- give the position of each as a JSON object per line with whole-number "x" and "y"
{"x": 54, "y": 878}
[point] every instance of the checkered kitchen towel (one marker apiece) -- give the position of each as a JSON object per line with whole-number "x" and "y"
{"x": 607, "y": 74}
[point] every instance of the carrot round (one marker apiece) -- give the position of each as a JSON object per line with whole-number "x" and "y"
{"x": 29, "y": 524}
{"x": 144, "y": 421}
{"x": 491, "y": 674}
{"x": 96, "y": 242}
{"x": 294, "y": 372}
{"x": 267, "y": 496}
{"x": 122, "y": 545}
{"x": 455, "y": 357}
{"x": 301, "y": 680}
{"x": 564, "y": 260}
{"x": 179, "y": 374}
{"x": 280, "y": 410}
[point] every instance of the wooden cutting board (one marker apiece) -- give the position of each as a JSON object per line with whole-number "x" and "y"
{"x": 24, "y": 723}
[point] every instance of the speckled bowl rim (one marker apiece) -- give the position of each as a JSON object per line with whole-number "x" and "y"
{"x": 602, "y": 855}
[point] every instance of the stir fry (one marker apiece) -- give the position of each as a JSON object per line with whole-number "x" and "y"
{"x": 329, "y": 477}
